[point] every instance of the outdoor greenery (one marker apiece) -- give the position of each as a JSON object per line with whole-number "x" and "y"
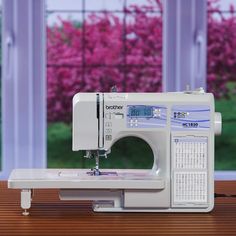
{"x": 225, "y": 145}
{"x": 127, "y": 153}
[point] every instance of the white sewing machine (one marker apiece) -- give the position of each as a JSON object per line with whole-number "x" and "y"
{"x": 179, "y": 127}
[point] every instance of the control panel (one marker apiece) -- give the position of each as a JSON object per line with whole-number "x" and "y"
{"x": 113, "y": 117}
{"x": 145, "y": 116}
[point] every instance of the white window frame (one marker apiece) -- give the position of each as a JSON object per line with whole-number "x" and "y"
{"x": 23, "y": 85}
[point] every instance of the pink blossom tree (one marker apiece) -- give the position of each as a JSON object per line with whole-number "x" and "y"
{"x": 221, "y": 55}
{"x": 102, "y": 53}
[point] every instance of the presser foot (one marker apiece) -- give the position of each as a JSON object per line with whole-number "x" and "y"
{"x": 95, "y": 172}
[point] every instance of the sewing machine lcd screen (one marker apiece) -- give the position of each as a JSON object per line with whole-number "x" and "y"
{"x": 140, "y": 111}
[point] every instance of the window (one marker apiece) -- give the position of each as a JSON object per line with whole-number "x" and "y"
{"x": 92, "y": 46}
{"x": 111, "y": 44}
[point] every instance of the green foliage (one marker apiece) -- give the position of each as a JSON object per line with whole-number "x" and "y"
{"x": 225, "y": 148}
{"x": 127, "y": 153}
{"x": 225, "y": 145}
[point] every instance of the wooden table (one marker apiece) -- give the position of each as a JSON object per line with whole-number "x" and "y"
{"x": 50, "y": 216}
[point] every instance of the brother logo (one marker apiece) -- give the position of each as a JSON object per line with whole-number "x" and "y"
{"x": 114, "y": 107}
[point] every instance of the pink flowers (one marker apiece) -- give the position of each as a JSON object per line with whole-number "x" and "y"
{"x": 221, "y": 59}
{"x": 102, "y": 53}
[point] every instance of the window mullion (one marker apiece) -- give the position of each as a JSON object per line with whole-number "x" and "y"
{"x": 184, "y": 44}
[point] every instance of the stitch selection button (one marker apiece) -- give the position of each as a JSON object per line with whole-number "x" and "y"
{"x": 119, "y": 116}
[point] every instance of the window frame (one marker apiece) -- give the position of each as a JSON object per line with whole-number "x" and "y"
{"x": 23, "y": 85}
